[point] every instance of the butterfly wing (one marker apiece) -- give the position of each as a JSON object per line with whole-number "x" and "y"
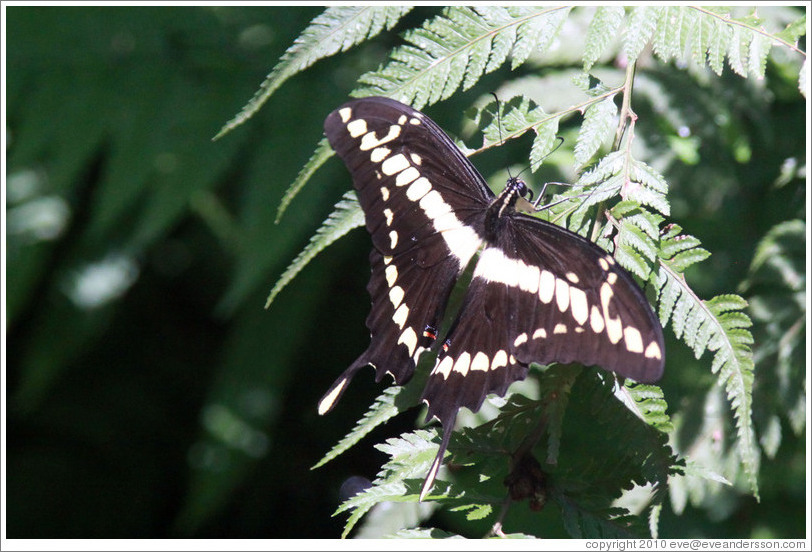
{"x": 540, "y": 293}
{"x": 423, "y": 203}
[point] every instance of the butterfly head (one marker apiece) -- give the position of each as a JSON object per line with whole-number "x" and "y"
{"x": 514, "y": 195}
{"x": 519, "y": 187}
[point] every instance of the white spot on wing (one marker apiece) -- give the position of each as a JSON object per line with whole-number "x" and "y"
{"x": 546, "y": 286}
{"x": 500, "y": 360}
{"x": 393, "y": 239}
{"x": 407, "y": 176}
{"x": 463, "y": 243}
{"x": 434, "y": 206}
{"x": 391, "y": 275}
{"x": 529, "y": 278}
{"x": 444, "y": 367}
{"x": 572, "y": 277}
{"x": 400, "y": 316}
{"x": 462, "y": 240}
{"x": 408, "y": 338}
{"x": 396, "y": 296}
{"x": 480, "y": 362}
{"x": 562, "y": 294}
{"x": 463, "y": 363}
{"x": 345, "y": 113}
{"x": 416, "y": 159}
{"x": 493, "y": 266}
{"x": 370, "y": 140}
{"x": 596, "y": 320}
{"x": 634, "y": 341}
{"x": 389, "y": 216}
{"x": 385, "y": 193}
{"x": 540, "y": 333}
{"x": 520, "y": 340}
{"x": 614, "y": 328}
{"x": 357, "y": 127}
{"x": 419, "y": 189}
{"x": 560, "y": 329}
{"x": 379, "y": 154}
{"x": 579, "y": 305}
{"x": 653, "y": 351}
{"x": 394, "y": 164}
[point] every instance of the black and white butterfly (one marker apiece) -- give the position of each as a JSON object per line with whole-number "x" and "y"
{"x": 539, "y": 293}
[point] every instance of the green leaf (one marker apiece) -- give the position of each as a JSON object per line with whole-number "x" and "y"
{"x": 323, "y": 153}
{"x": 599, "y": 120}
{"x": 336, "y": 30}
{"x": 475, "y": 511}
{"x": 639, "y": 29}
{"x": 411, "y": 455}
{"x": 346, "y": 216}
{"x": 703, "y": 325}
{"x": 455, "y": 49}
{"x": 601, "y": 32}
{"x": 388, "y": 405}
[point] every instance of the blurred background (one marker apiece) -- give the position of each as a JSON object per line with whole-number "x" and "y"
{"x": 149, "y": 394}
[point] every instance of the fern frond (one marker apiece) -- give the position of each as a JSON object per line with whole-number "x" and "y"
{"x": 455, "y": 49}
{"x": 475, "y": 511}
{"x": 411, "y": 455}
{"x": 606, "y": 523}
{"x": 323, "y": 153}
{"x": 638, "y": 32}
{"x": 647, "y": 402}
{"x": 776, "y": 288}
{"x": 536, "y": 35}
{"x": 717, "y": 325}
{"x": 705, "y": 36}
{"x": 617, "y": 173}
{"x": 601, "y": 32}
{"x": 346, "y": 216}
{"x": 335, "y": 30}
{"x": 599, "y": 120}
{"x": 631, "y": 241}
{"x": 519, "y": 115}
{"x": 394, "y": 400}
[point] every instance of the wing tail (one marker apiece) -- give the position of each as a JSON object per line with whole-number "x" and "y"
{"x": 448, "y": 429}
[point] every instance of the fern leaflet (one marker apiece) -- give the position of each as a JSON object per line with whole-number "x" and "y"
{"x": 455, "y": 49}
{"x": 717, "y": 325}
{"x": 346, "y": 216}
{"x": 335, "y": 30}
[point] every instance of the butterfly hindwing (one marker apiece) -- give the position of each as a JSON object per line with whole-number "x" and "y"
{"x": 539, "y": 293}
{"x": 542, "y": 294}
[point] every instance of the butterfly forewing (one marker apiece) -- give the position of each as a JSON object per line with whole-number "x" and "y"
{"x": 423, "y": 204}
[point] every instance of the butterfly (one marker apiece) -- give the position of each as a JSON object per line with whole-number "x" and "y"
{"x": 538, "y": 292}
